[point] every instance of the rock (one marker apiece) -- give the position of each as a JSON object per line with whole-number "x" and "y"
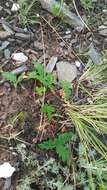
{"x": 38, "y": 45}
{"x": 20, "y": 70}
{"x": 50, "y": 66}
{"x": 103, "y": 31}
{"x": 7, "y": 184}
{"x": 94, "y": 55}
{"x": 23, "y": 36}
{"x": 78, "y": 63}
{"x": 20, "y": 57}
{"x": 6, "y": 170}
{"x": 15, "y": 7}
{"x": 7, "y": 27}
{"x": 66, "y": 71}
{"x": 7, "y": 53}
{"x": 4, "y": 35}
{"x": 4, "y": 45}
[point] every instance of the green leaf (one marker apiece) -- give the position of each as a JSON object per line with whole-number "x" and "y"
{"x": 49, "y": 110}
{"x": 59, "y": 144}
{"x": 10, "y": 77}
{"x": 41, "y": 75}
{"x": 32, "y": 75}
{"x": 50, "y": 144}
{"x": 40, "y": 90}
{"x": 66, "y": 86}
{"x": 63, "y": 152}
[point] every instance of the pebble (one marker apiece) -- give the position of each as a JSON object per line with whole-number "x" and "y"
{"x": 7, "y": 53}
{"x": 66, "y": 71}
{"x": 6, "y": 170}
{"x": 94, "y": 54}
{"x": 38, "y": 45}
{"x": 4, "y": 35}
{"x": 15, "y": 7}
{"x": 78, "y": 63}
{"x": 22, "y": 36}
{"x": 52, "y": 62}
{"x": 20, "y": 70}
{"x": 4, "y": 45}
{"x": 20, "y": 57}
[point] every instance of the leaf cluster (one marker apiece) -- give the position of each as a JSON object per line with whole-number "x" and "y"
{"x": 46, "y": 79}
{"x": 59, "y": 144}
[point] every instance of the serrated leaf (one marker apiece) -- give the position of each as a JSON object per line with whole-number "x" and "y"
{"x": 32, "y": 75}
{"x": 10, "y": 77}
{"x": 63, "y": 152}
{"x": 60, "y": 145}
{"x": 49, "y": 110}
{"x": 50, "y": 144}
{"x": 64, "y": 138}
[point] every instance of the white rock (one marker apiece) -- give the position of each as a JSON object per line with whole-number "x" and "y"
{"x": 20, "y": 57}
{"x": 66, "y": 71}
{"x": 78, "y": 63}
{"x": 15, "y": 7}
{"x": 6, "y": 170}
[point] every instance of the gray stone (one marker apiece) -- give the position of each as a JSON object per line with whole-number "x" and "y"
{"x": 20, "y": 70}
{"x": 94, "y": 55}
{"x": 52, "y": 62}
{"x": 22, "y": 36}
{"x": 7, "y": 53}
{"x": 4, "y": 35}
{"x": 4, "y": 45}
{"x": 66, "y": 71}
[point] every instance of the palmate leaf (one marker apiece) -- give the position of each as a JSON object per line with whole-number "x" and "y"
{"x": 49, "y": 110}
{"x": 10, "y": 77}
{"x": 59, "y": 145}
{"x": 63, "y": 152}
{"x": 42, "y": 76}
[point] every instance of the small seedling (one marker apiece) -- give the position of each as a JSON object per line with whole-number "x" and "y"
{"x": 25, "y": 8}
{"x": 40, "y": 90}
{"x": 12, "y": 78}
{"x": 60, "y": 145}
{"x": 87, "y": 4}
{"x": 46, "y": 79}
{"x": 48, "y": 110}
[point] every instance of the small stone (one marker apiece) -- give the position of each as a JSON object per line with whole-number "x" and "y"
{"x": 20, "y": 57}
{"x": 78, "y": 63}
{"x": 66, "y": 71}
{"x": 4, "y": 45}
{"x": 38, "y": 45}
{"x": 15, "y": 7}
{"x": 22, "y": 36}
{"x": 4, "y": 35}
{"x": 20, "y": 70}
{"x": 94, "y": 54}
{"x": 6, "y": 170}
{"x": 50, "y": 66}
{"x": 7, "y": 53}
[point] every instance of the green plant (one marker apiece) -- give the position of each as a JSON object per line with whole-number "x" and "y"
{"x": 25, "y": 8}
{"x": 90, "y": 124}
{"x": 12, "y": 78}
{"x": 39, "y": 74}
{"x": 40, "y": 90}
{"x": 66, "y": 86}
{"x": 48, "y": 110}
{"x": 60, "y": 145}
{"x": 87, "y": 4}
